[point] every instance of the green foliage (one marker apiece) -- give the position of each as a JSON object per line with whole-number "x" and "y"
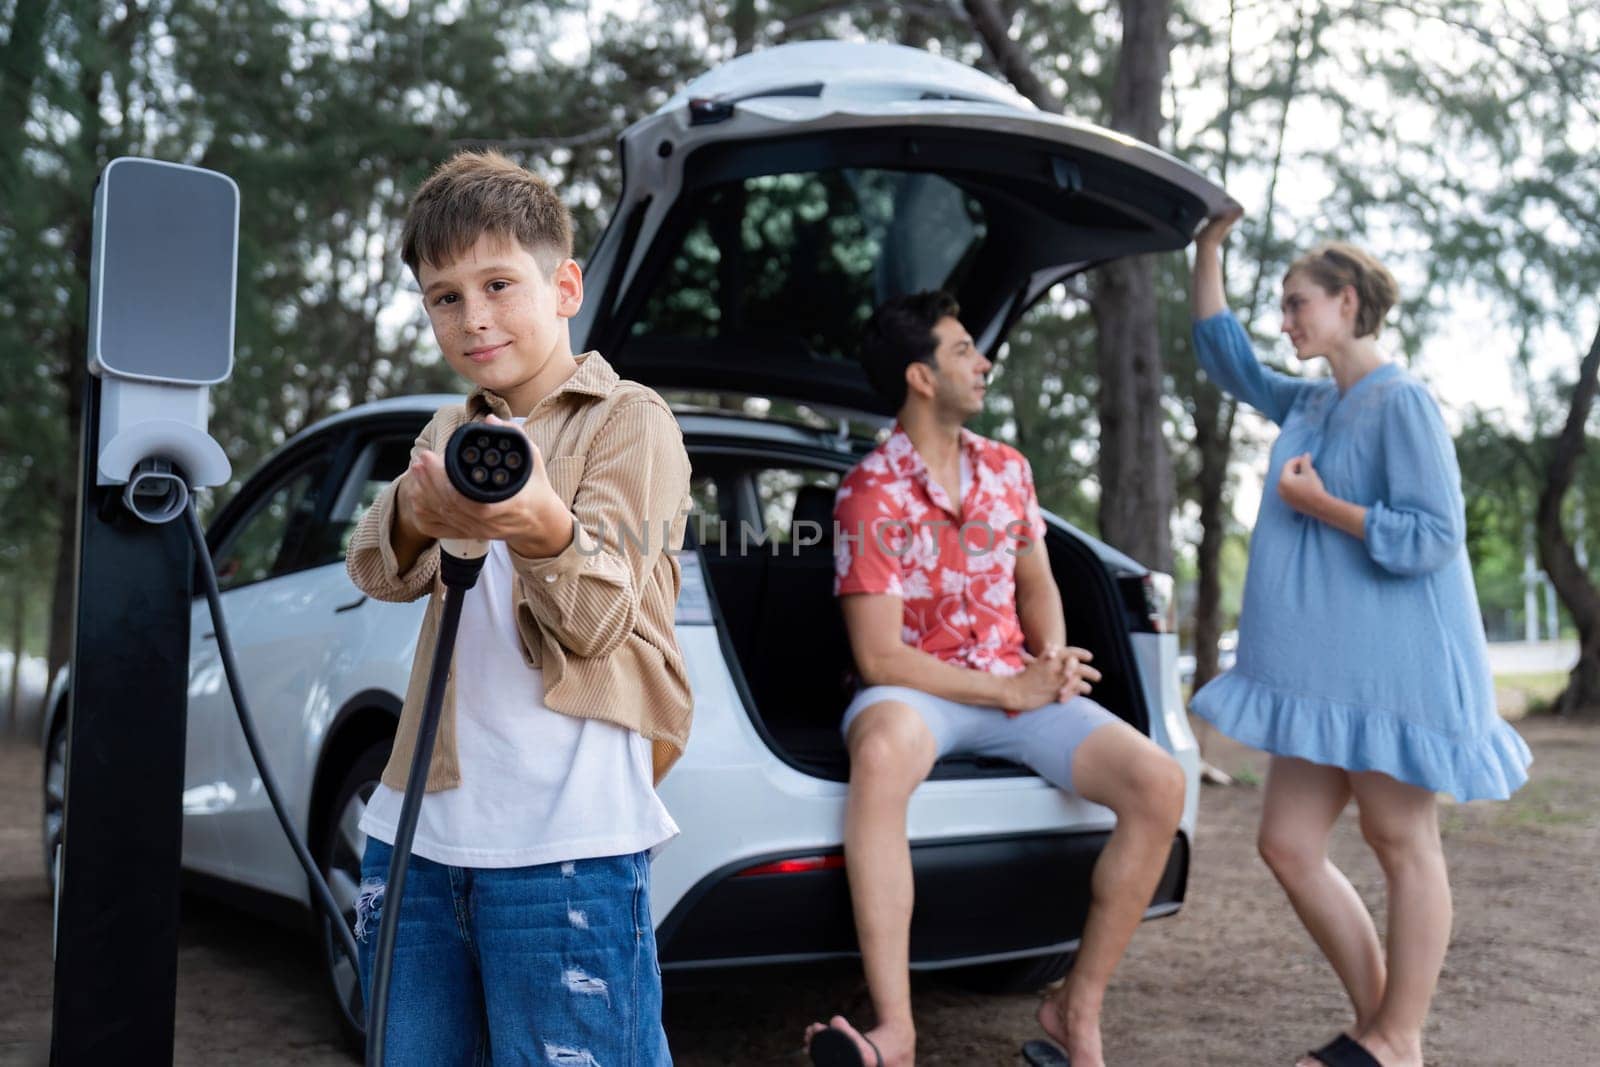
{"x": 1501, "y": 475}
{"x": 327, "y": 118}
{"x": 1042, "y": 401}
{"x": 1471, "y": 165}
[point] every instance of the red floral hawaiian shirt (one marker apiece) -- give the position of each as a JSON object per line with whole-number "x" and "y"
{"x": 954, "y": 570}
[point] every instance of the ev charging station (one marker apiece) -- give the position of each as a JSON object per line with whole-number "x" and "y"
{"x": 161, "y": 313}
{"x": 161, "y": 304}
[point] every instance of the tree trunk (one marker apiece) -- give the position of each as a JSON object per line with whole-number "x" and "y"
{"x": 1213, "y": 415}
{"x": 19, "y": 635}
{"x": 21, "y": 59}
{"x": 63, "y": 608}
{"x": 1136, "y": 486}
{"x": 73, "y": 359}
{"x": 1213, "y": 439}
{"x": 915, "y": 30}
{"x": 1009, "y": 56}
{"x": 743, "y": 24}
{"x": 1556, "y": 555}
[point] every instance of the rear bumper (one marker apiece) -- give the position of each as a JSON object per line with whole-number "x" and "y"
{"x": 978, "y": 900}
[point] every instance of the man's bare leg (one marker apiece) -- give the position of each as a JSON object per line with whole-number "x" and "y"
{"x": 1122, "y": 769}
{"x": 891, "y": 752}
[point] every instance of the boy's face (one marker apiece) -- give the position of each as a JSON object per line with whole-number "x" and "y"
{"x": 500, "y": 320}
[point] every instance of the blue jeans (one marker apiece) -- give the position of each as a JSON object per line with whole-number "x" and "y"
{"x": 550, "y": 964}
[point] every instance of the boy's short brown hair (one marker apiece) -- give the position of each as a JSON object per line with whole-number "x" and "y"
{"x": 482, "y": 192}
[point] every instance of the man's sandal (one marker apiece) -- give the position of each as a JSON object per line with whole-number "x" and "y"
{"x": 833, "y": 1048}
{"x": 1041, "y": 1053}
{"x": 1345, "y": 1051}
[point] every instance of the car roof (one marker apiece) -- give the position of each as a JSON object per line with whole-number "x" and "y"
{"x": 843, "y": 71}
{"x": 416, "y": 404}
{"x": 695, "y": 421}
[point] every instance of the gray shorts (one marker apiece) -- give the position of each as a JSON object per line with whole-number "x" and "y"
{"x": 1043, "y": 740}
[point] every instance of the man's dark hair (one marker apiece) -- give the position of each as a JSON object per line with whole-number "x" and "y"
{"x": 899, "y": 334}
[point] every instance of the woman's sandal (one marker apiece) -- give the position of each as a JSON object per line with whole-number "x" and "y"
{"x": 1345, "y": 1051}
{"x": 833, "y": 1048}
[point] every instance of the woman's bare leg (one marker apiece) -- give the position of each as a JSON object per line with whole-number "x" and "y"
{"x": 1401, "y": 823}
{"x": 1303, "y": 801}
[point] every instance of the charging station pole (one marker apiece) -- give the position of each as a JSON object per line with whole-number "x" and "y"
{"x": 161, "y": 311}
{"x": 116, "y": 968}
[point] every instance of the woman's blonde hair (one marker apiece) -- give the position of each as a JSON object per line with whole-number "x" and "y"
{"x": 1335, "y": 264}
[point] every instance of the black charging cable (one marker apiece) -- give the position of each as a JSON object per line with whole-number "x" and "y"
{"x": 319, "y": 886}
{"x": 487, "y": 464}
{"x": 484, "y": 463}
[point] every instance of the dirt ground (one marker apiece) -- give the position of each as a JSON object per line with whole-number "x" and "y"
{"x": 1231, "y": 980}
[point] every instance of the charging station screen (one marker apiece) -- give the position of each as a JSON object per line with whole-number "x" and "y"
{"x": 167, "y": 272}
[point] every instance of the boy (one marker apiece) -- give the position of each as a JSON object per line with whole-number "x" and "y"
{"x": 525, "y": 933}
{"x": 942, "y": 617}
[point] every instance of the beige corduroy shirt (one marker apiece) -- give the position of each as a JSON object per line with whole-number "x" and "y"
{"x": 598, "y": 617}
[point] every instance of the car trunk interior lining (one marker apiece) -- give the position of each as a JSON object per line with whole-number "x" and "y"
{"x": 784, "y": 633}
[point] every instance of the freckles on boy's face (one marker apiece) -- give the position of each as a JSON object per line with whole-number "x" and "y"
{"x": 497, "y": 315}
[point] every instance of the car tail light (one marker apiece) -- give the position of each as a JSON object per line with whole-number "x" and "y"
{"x": 797, "y": 865}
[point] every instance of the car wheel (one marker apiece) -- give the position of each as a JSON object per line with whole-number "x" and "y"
{"x": 340, "y": 843}
{"x": 55, "y": 799}
{"x": 1027, "y": 975}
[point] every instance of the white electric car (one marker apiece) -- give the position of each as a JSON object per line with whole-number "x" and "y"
{"x": 766, "y": 209}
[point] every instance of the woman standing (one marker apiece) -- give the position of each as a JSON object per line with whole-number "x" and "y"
{"x": 1362, "y": 665}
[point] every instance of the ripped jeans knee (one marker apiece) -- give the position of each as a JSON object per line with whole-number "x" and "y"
{"x": 565, "y": 1056}
{"x": 369, "y": 907}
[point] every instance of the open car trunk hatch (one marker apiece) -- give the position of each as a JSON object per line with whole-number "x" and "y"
{"x": 770, "y": 206}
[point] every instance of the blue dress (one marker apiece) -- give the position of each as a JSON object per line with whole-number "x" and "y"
{"x": 1366, "y": 655}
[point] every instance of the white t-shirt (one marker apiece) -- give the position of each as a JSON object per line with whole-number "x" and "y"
{"x": 536, "y": 786}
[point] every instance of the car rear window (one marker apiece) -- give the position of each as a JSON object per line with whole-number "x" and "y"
{"x": 799, "y": 260}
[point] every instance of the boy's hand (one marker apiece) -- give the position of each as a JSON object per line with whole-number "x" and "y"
{"x": 534, "y": 523}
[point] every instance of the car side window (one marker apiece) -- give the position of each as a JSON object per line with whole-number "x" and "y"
{"x": 263, "y": 544}
{"x": 712, "y": 522}
{"x": 777, "y": 488}
{"x": 380, "y": 462}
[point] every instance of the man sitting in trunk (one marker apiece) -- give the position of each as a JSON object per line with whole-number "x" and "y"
{"x": 957, "y": 630}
